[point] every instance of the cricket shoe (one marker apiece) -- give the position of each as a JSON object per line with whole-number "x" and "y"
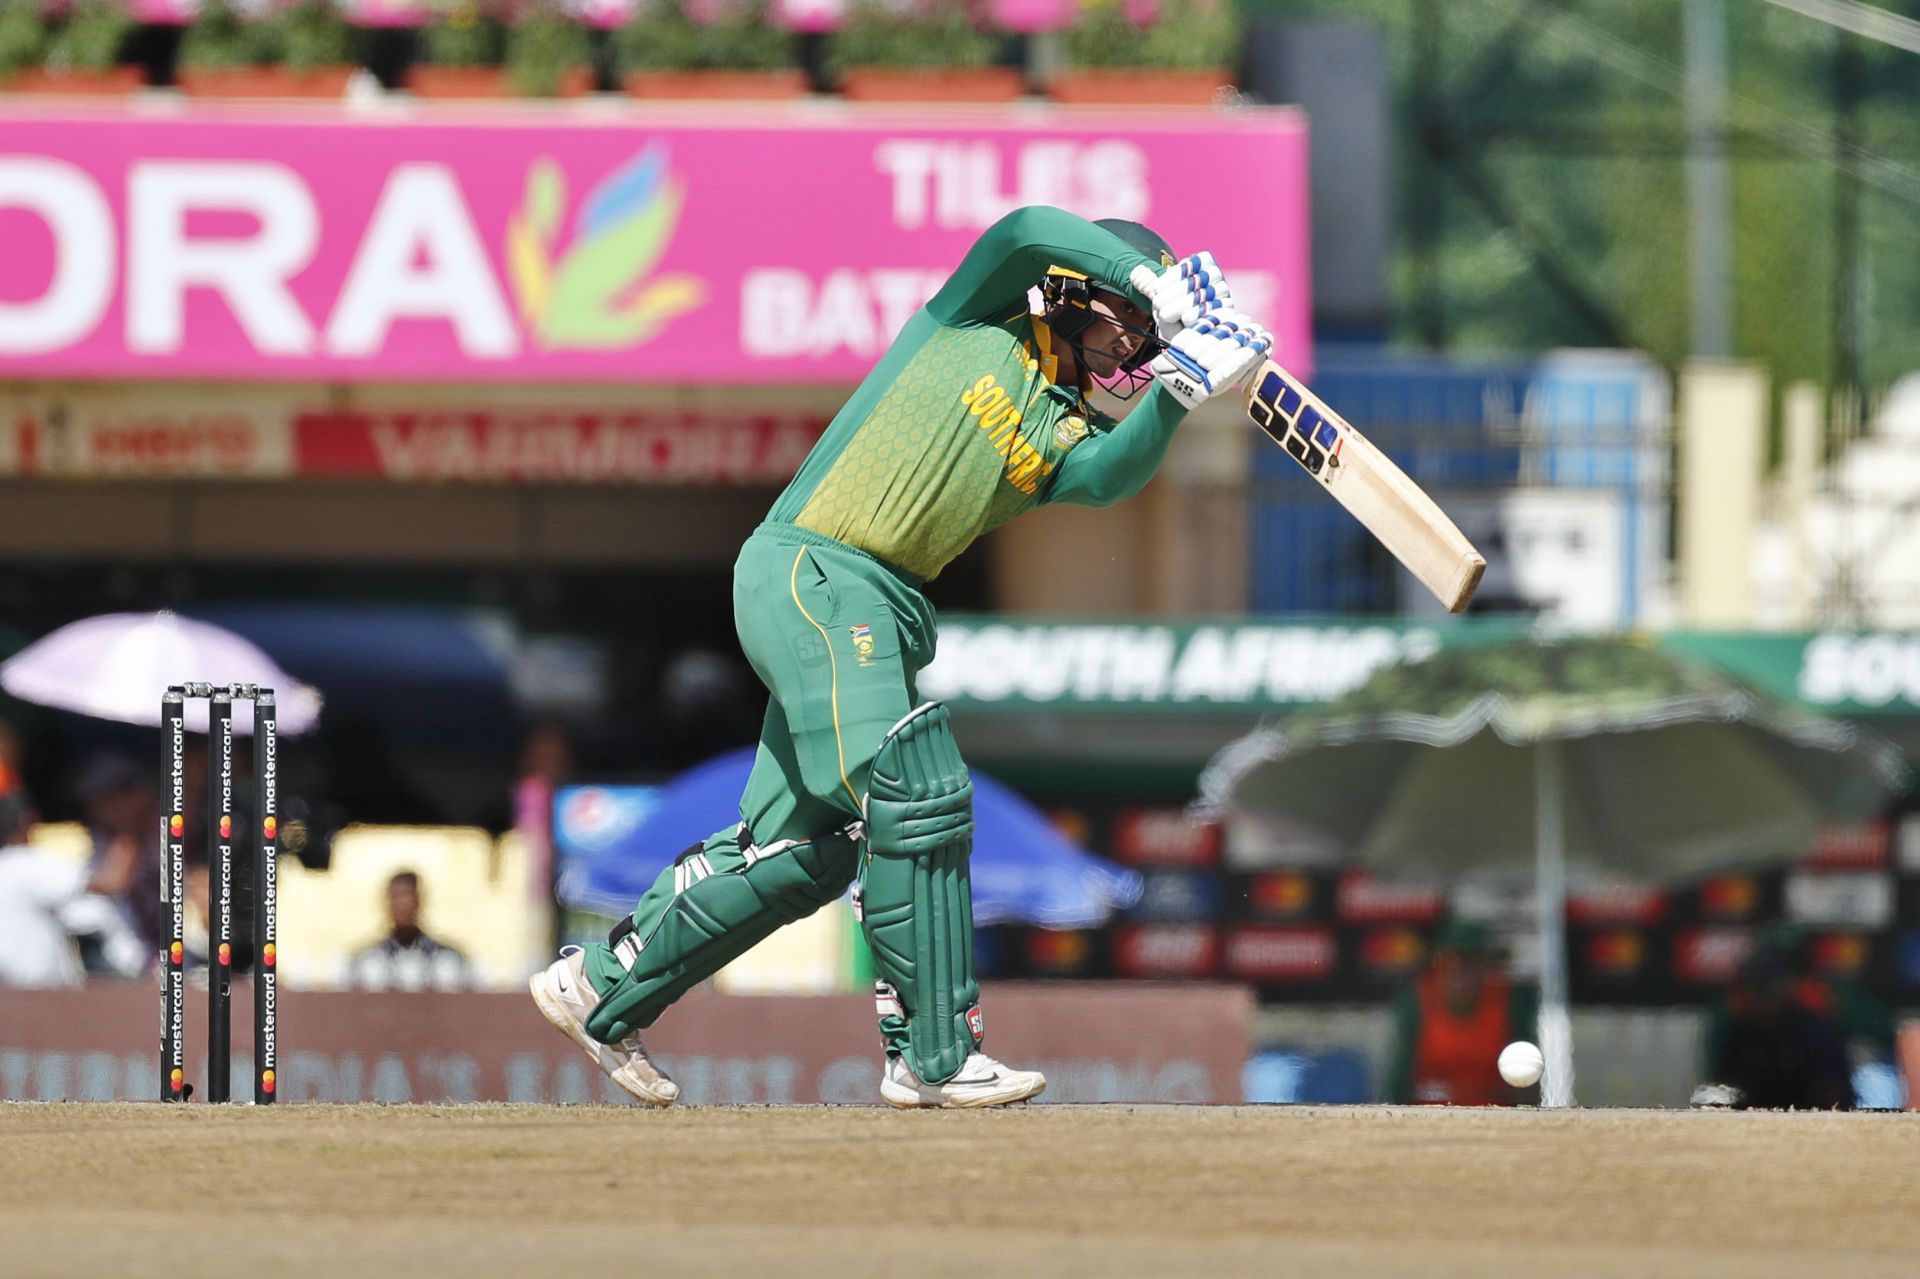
{"x": 982, "y": 1081}
{"x": 566, "y": 997}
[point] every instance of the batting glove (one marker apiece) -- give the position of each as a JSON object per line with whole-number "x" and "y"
{"x": 1213, "y": 356}
{"x": 1192, "y": 287}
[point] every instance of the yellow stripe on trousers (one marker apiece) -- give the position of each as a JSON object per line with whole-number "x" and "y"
{"x": 839, "y": 745}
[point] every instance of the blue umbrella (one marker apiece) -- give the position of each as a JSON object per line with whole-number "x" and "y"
{"x": 613, "y": 841}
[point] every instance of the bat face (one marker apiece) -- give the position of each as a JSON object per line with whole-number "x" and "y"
{"x": 1278, "y": 408}
{"x": 1365, "y": 481}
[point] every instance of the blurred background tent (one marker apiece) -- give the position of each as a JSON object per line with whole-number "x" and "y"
{"x": 1543, "y": 759}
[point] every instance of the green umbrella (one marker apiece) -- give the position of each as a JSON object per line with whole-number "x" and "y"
{"x": 1541, "y": 759}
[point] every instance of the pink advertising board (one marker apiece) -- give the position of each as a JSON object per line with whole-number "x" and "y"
{"x": 764, "y": 246}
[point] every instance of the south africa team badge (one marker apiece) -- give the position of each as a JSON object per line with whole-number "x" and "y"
{"x": 863, "y": 643}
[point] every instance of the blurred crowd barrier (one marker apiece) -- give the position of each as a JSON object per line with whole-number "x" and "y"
{"x": 1624, "y": 1056}
{"x": 478, "y": 897}
{"x": 1118, "y": 1042}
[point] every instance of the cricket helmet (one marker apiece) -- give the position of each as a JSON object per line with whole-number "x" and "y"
{"x": 1068, "y": 295}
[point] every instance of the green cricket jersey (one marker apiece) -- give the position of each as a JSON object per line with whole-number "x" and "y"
{"x": 962, "y": 426}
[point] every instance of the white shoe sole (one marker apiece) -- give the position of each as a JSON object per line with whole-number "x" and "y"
{"x": 901, "y": 1097}
{"x": 554, "y": 1011}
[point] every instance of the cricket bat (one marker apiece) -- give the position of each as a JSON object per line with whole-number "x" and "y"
{"x": 1365, "y": 481}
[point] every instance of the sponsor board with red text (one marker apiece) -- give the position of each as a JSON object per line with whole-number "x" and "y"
{"x": 266, "y": 434}
{"x": 96, "y": 1043}
{"x": 1278, "y": 953}
{"x": 1165, "y": 837}
{"x": 1166, "y": 950}
{"x": 1364, "y": 899}
{"x": 1616, "y": 902}
{"x": 1710, "y": 956}
{"x": 144, "y": 433}
{"x": 1865, "y": 846}
{"x": 556, "y": 446}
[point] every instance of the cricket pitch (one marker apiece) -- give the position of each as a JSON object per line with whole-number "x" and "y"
{"x": 358, "y": 1191}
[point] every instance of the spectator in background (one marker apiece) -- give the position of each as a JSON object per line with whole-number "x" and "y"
{"x": 45, "y": 900}
{"x": 122, "y": 806}
{"x": 1451, "y": 1024}
{"x": 1774, "y": 1043}
{"x": 406, "y": 958}
{"x": 1867, "y": 1026}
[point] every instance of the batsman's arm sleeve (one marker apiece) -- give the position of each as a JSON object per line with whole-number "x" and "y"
{"x": 1112, "y": 465}
{"x": 1013, "y": 254}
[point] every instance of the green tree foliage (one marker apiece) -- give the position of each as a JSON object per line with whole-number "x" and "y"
{"x": 1571, "y": 113}
{"x": 465, "y": 33}
{"x": 917, "y": 33}
{"x": 23, "y": 38}
{"x": 739, "y": 36}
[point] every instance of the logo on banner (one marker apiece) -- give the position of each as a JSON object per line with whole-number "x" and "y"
{"x": 1363, "y": 899}
{"x": 1842, "y": 954}
{"x": 1851, "y": 847}
{"x": 1616, "y": 952}
{"x": 1392, "y": 952}
{"x": 1177, "y": 895}
{"x": 1730, "y": 896}
{"x": 1266, "y": 952}
{"x": 1166, "y": 950}
{"x": 1059, "y": 954}
{"x": 1710, "y": 956}
{"x": 1285, "y": 894}
{"x": 1166, "y": 837}
{"x": 592, "y": 288}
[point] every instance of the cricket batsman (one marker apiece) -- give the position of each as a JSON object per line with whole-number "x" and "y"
{"x": 977, "y": 412}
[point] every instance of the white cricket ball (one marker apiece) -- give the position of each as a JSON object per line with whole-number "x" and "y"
{"x": 1521, "y": 1064}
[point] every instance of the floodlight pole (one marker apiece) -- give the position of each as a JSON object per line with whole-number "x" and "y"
{"x": 1550, "y": 901}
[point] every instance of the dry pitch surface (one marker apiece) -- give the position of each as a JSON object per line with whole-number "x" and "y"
{"x": 367, "y": 1191}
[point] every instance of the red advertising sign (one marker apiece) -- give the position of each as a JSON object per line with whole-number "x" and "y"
{"x": 1166, "y": 950}
{"x": 271, "y": 433}
{"x": 1165, "y": 837}
{"x": 1710, "y": 956}
{"x": 1856, "y": 847}
{"x": 555, "y": 446}
{"x": 1617, "y": 902}
{"x": 1105, "y": 1042}
{"x": 1269, "y": 952}
{"x": 1366, "y": 900}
